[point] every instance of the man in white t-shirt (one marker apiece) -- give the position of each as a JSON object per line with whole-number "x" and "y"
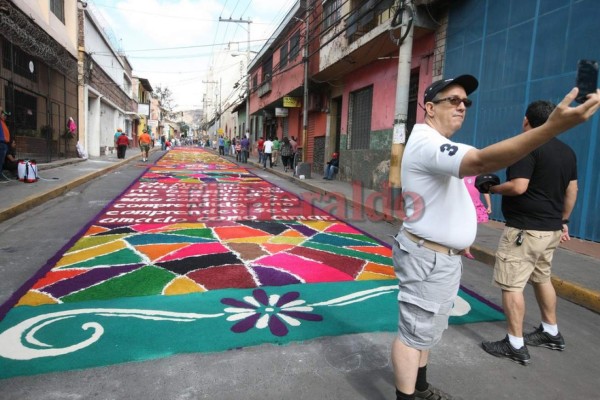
{"x": 267, "y": 153}
{"x": 441, "y": 218}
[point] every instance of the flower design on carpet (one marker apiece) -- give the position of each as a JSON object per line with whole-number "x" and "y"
{"x": 261, "y": 311}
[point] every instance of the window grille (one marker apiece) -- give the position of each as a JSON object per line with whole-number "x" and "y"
{"x": 359, "y": 123}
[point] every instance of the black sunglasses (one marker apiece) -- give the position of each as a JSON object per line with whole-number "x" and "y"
{"x": 455, "y": 101}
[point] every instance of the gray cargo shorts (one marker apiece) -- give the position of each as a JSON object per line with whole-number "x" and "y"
{"x": 429, "y": 283}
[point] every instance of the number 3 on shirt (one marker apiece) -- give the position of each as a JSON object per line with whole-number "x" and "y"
{"x": 448, "y": 147}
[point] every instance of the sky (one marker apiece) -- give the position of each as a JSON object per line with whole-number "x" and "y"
{"x": 173, "y": 43}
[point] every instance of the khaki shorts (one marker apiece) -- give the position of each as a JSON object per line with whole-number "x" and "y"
{"x": 145, "y": 147}
{"x": 429, "y": 282}
{"x": 532, "y": 260}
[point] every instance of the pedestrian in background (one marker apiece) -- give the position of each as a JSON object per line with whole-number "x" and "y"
{"x": 267, "y": 153}
{"x": 537, "y": 200}
{"x": 245, "y": 149}
{"x": 441, "y": 220}
{"x": 276, "y": 148}
{"x": 294, "y": 145}
{"x": 4, "y": 142}
{"x": 116, "y": 138}
{"x": 122, "y": 143}
{"x": 332, "y": 167}
{"x": 286, "y": 153}
{"x": 481, "y": 211}
{"x": 260, "y": 147}
{"x": 221, "y": 145}
{"x": 145, "y": 141}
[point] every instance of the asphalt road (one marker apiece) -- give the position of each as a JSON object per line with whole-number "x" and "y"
{"x": 346, "y": 367}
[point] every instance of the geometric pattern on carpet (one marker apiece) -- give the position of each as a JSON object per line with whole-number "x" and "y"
{"x": 207, "y": 257}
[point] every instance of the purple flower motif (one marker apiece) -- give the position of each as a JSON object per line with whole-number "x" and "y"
{"x": 275, "y": 311}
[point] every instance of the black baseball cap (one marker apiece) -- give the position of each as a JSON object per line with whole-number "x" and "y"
{"x": 468, "y": 82}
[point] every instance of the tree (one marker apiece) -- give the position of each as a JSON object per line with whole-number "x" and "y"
{"x": 167, "y": 103}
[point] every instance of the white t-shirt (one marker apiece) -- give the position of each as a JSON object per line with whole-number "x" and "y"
{"x": 268, "y": 147}
{"x": 436, "y": 201}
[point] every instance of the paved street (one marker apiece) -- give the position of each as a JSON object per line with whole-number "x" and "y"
{"x": 341, "y": 367}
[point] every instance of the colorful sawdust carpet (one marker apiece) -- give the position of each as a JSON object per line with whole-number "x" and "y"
{"x": 200, "y": 255}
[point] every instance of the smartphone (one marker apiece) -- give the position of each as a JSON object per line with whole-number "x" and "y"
{"x": 587, "y": 79}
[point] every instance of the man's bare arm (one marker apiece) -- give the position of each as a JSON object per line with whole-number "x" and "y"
{"x": 514, "y": 187}
{"x": 509, "y": 151}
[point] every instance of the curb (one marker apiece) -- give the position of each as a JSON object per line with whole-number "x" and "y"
{"x": 40, "y": 198}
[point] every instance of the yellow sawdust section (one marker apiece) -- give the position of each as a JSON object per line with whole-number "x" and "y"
{"x": 182, "y": 285}
{"x": 83, "y": 255}
{"x": 293, "y": 240}
{"x": 254, "y": 239}
{"x": 176, "y": 227}
{"x": 90, "y": 241}
{"x": 33, "y": 298}
{"x": 318, "y": 225}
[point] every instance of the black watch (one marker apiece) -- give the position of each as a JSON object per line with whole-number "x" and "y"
{"x": 565, "y": 221}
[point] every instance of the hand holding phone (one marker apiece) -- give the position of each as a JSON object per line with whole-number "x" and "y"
{"x": 587, "y": 79}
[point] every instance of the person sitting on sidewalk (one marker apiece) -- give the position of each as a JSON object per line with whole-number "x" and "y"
{"x": 11, "y": 163}
{"x": 332, "y": 167}
{"x": 4, "y": 142}
{"x": 145, "y": 141}
{"x": 122, "y": 143}
{"x": 537, "y": 200}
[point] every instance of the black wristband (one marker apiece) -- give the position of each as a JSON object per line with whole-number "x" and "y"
{"x": 565, "y": 221}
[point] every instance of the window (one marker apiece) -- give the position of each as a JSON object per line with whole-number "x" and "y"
{"x": 18, "y": 61}
{"x": 331, "y": 13}
{"x": 359, "y": 118}
{"x": 283, "y": 55}
{"x": 24, "y": 114}
{"x": 267, "y": 70}
{"x": 294, "y": 45}
{"x": 58, "y": 8}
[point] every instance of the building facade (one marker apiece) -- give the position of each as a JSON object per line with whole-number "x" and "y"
{"x": 38, "y": 76}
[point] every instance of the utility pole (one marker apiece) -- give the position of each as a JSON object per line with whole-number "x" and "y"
{"x": 305, "y": 105}
{"x": 217, "y": 104}
{"x": 401, "y": 108}
{"x": 244, "y": 21}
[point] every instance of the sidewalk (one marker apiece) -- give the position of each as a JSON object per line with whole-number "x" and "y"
{"x": 576, "y": 263}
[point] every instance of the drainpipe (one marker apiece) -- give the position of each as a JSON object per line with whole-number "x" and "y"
{"x": 404, "y": 13}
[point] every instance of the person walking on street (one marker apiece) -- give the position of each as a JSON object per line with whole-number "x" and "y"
{"x": 260, "y": 147}
{"x": 267, "y": 153}
{"x": 145, "y": 141}
{"x": 245, "y": 149}
{"x": 116, "y": 138}
{"x": 537, "y": 200}
{"x": 441, "y": 219}
{"x": 294, "y": 145}
{"x": 4, "y": 142}
{"x": 122, "y": 143}
{"x": 286, "y": 153}
{"x": 221, "y": 145}
{"x": 276, "y": 148}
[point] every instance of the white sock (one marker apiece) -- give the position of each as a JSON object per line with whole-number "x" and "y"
{"x": 551, "y": 329}
{"x": 516, "y": 342}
